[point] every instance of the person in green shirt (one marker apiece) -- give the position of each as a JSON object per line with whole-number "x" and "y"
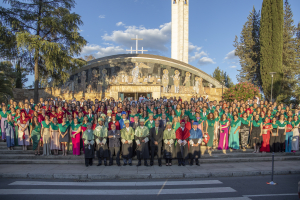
{"x": 234, "y": 133}
{"x": 274, "y": 138}
{"x": 210, "y": 129}
{"x": 169, "y": 138}
{"x": 127, "y": 138}
{"x": 88, "y": 140}
{"x": 281, "y": 132}
{"x": 64, "y": 135}
{"x": 295, "y": 141}
{"x": 35, "y": 133}
{"x": 244, "y": 130}
{"x": 256, "y": 133}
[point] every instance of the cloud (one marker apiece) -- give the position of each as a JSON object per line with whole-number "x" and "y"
{"x": 196, "y": 56}
{"x": 231, "y": 55}
{"x": 233, "y": 66}
{"x": 155, "y": 39}
{"x": 120, "y": 24}
{"x": 205, "y": 60}
{"x": 193, "y": 47}
{"x": 99, "y": 51}
{"x": 101, "y": 16}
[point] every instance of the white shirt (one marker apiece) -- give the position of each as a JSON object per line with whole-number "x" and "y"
{"x": 182, "y": 129}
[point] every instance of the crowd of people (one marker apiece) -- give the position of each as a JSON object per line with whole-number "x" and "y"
{"x": 145, "y": 128}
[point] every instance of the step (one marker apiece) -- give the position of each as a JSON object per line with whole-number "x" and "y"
{"x": 205, "y": 156}
{"x": 134, "y": 162}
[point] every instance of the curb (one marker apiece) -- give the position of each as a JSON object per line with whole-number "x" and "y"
{"x": 146, "y": 176}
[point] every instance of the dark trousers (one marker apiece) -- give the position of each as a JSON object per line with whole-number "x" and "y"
{"x": 181, "y": 161}
{"x": 157, "y": 149}
{"x": 89, "y": 161}
{"x": 168, "y": 160}
{"x": 100, "y": 160}
{"x": 281, "y": 143}
{"x": 112, "y": 151}
{"x": 192, "y": 161}
{"x": 145, "y": 161}
{"x": 274, "y": 143}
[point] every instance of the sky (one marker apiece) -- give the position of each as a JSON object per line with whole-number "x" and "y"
{"x": 109, "y": 25}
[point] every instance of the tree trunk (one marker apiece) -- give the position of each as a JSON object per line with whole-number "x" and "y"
{"x": 36, "y": 79}
{"x": 36, "y": 58}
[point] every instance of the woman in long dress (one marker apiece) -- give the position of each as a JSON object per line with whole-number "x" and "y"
{"x": 10, "y": 132}
{"x": 267, "y": 127}
{"x": 169, "y": 138}
{"x": 75, "y": 135}
{"x": 217, "y": 128}
{"x": 281, "y": 132}
{"x": 16, "y": 118}
{"x": 274, "y": 139}
{"x": 288, "y": 135}
{"x": 3, "y": 117}
{"x": 64, "y": 129}
{"x": 210, "y": 129}
{"x": 23, "y": 132}
{"x": 46, "y": 135}
{"x": 55, "y": 144}
{"x": 244, "y": 130}
{"x": 255, "y": 133}
{"x": 234, "y": 133}
{"x": 223, "y": 142}
{"x": 295, "y": 140}
{"x": 35, "y": 132}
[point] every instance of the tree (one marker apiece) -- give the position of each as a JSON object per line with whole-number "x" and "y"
{"x": 271, "y": 40}
{"x": 89, "y": 57}
{"x": 21, "y": 74}
{"x": 290, "y": 60}
{"x": 221, "y": 76}
{"x": 49, "y": 33}
{"x": 247, "y": 48}
{"x": 241, "y": 91}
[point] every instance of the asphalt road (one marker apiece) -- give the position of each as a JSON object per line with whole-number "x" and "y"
{"x": 227, "y": 188}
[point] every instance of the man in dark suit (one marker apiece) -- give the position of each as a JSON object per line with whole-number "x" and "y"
{"x": 156, "y": 137}
{"x": 114, "y": 144}
{"x": 163, "y": 121}
{"x": 135, "y": 124}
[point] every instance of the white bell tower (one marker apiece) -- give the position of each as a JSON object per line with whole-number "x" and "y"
{"x": 180, "y": 30}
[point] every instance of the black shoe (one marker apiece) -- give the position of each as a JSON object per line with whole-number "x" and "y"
{"x": 183, "y": 163}
{"x": 160, "y": 165}
{"x": 110, "y": 164}
{"x": 105, "y": 163}
{"x": 91, "y": 164}
{"x": 130, "y": 164}
{"x": 99, "y": 164}
{"x": 139, "y": 164}
{"x": 151, "y": 164}
{"x": 86, "y": 165}
{"x": 198, "y": 164}
{"x": 146, "y": 164}
{"x": 124, "y": 164}
{"x": 179, "y": 164}
{"x": 119, "y": 164}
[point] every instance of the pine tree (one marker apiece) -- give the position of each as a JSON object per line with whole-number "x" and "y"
{"x": 271, "y": 40}
{"x": 50, "y": 35}
{"x": 247, "y": 48}
{"x": 290, "y": 61}
{"x": 21, "y": 74}
{"x": 222, "y": 76}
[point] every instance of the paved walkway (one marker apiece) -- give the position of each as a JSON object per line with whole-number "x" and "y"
{"x": 79, "y": 171}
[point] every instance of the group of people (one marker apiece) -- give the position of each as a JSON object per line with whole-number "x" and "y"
{"x": 145, "y": 128}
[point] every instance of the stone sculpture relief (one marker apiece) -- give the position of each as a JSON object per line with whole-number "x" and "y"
{"x": 165, "y": 80}
{"x": 176, "y": 79}
{"x": 83, "y": 81}
{"x": 187, "y": 80}
{"x": 135, "y": 74}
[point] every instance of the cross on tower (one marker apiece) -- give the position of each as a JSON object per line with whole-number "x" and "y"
{"x": 136, "y": 45}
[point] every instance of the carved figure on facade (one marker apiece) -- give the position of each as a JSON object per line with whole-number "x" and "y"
{"x": 76, "y": 86}
{"x": 83, "y": 81}
{"x": 187, "y": 80}
{"x": 135, "y": 73}
{"x": 94, "y": 81}
{"x": 176, "y": 79}
{"x": 196, "y": 86}
{"x": 165, "y": 80}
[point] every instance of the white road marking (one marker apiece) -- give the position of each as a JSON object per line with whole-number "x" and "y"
{"x": 113, "y": 192}
{"x": 269, "y": 195}
{"x": 162, "y": 187}
{"x": 228, "y": 198}
{"x": 129, "y": 184}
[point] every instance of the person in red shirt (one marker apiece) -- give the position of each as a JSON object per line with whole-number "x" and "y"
{"x": 60, "y": 115}
{"x": 113, "y": 121}
{"x": 182, "y": 149}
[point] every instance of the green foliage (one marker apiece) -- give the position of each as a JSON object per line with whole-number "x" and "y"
{"x": 271, "y": 40}
{"x": 7, "y": 75}
{"x": 290, "y": 56}
{"x": 221, "y": 76}
{"x": 49, "y": 35}
{"x": 247, "y": 48}
{"x": 241, "y": 91}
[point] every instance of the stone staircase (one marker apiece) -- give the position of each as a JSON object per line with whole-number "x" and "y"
{"x": 18, "y": 156}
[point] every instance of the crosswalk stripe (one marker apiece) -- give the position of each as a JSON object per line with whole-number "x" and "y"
{"x": 269, "y": 195}
{"x": 228, "y": 198}
{"x": 113, "y": 192}
{"x": 129, "y": 184}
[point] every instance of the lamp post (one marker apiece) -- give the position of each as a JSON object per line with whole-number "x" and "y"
{"x": 272, "y": 74}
